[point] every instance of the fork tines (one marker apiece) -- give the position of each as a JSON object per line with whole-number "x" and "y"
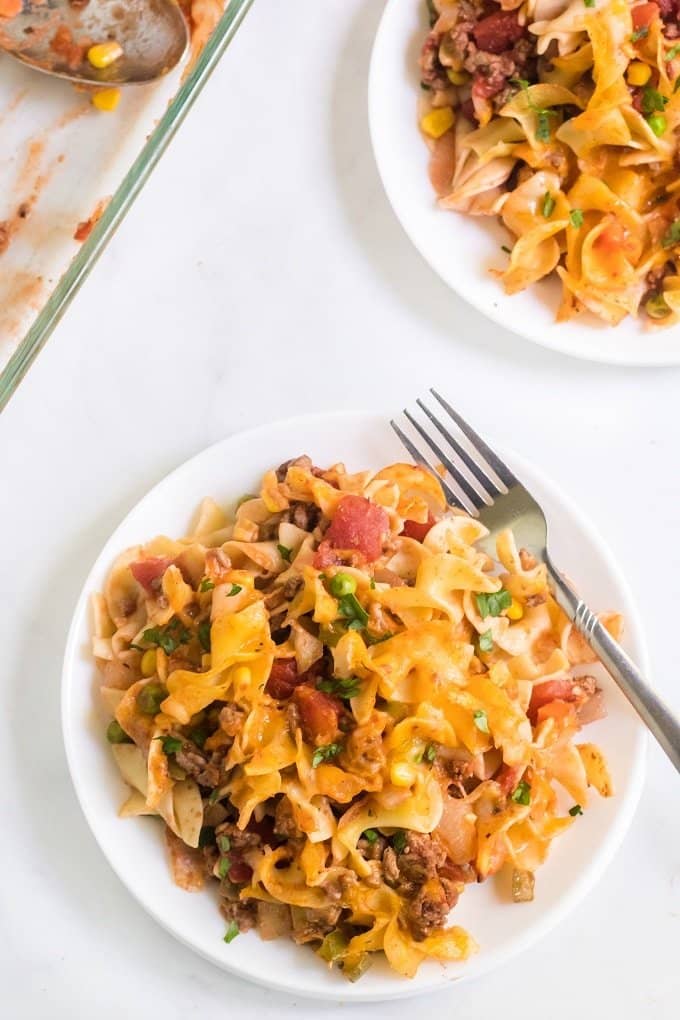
{"x": 478, "y": 475}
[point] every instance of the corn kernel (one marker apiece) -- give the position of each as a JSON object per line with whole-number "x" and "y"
{"x": 457, "y": 77}
{"x": 148, "y": 663}
{"x": 437, "y": 122}
{"x": 104, "y": 54}
{"x": 402, "y": 774}
{"x": 515, "y": 610}
{"x": 106, "y": 99}
{"x": 638, "y": 73}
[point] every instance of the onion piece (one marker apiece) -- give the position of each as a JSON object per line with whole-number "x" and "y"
{"x": 522, "y": 885}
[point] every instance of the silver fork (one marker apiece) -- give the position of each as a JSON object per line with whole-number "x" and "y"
{"x": 485, "y": 487}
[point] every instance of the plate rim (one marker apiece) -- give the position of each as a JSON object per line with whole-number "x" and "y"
{"x": 496, "y": 312}
{"x": 494, "y": 958}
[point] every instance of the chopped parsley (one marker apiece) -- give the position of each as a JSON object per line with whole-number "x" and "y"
{"x": 508, "y": 251}
{"x": 204, "y": 635}
{"x": 522, "y": 793}
{"x": 206, "y": 584}
{"x": 480, "y": 720}
{"x": 589, "y": 3}
{"x": 169, "y": 638}
{"x": 224, "y": 844}
{"x": 171, "y": 745}
{"x": 548, "y": 205}
{"x": 286, "y": 553}
{"x": 652, "y": 100}
{"x": 543, "y": 114}
{"x": 673, "y": 52}
{"x": 575, "y": 810}
{"x": 485, "y": 641}
{"x": 375, "y": 639}
{"x": 325, "y": 753}
{"x": 370, "y": 835}
{"x": 672, "y": 235}
{"x": 576, "y": 217}
{"x": 543, "y": 125}
{"x": 640, "y": 33}
{"x": 346, "y": 688}
{"x": 234, "y": 590}
{"x": 350, "y": 607}
{"x": 677, "y": 85}
{"x": 494, "y": 603}
{"x": 399, "y": 841}
{"x": 430, "y": 753}
{"x": 231, "y": 932}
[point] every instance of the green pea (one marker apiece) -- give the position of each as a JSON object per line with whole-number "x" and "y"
{"x": 343, "y": 584}
{"x": 150, "y": 697}
{"x": 115, "y": 734}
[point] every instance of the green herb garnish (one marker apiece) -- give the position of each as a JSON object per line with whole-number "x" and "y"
{"x": 370, "y": 835}
{"x": 494, "y": 603}
{"x": 399, "y": 841}
{"x": 286, "y": 553}
{"x": 345, "y": 688}
{"x": 234, "y": 590}
{"x": 206, "y": 584}
{"x": 430, "y": 753}
{"x": 576, "y": 218}
{"x": 658, "y": 123}
{"x": 231, "y": 932}
{"x": 522, "y": 793}
{"x": 673, "y": 52}
{"x": 480, "y": 720}
{"x": 543, "y": 114}
{"x": 350, "y": 607}
{"x": 640, "y": 33}
{"x": 325, "y": 753}
{"x": 652, "y": 100}
{"x": 575, "y": 810}
{"x": 548, "y": 205}
{"x": 589, "y": 3}
{"x": 508, "y": 251}
{"x": 204, "y": 635}
{"x": 485, "y": 641}
{"x": 672, "y": 235}
{"x": 169, "y": 638}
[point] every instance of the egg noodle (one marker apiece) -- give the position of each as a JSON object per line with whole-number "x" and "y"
{"x": 561, "y": 119}
{"x": 344, "y": 711}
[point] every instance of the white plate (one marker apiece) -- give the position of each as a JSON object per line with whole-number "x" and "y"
{"x": 463, "y": 248}
{"x": 134, "y": 847}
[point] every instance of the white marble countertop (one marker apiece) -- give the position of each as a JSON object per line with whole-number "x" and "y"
{"x": 262, "y": 274}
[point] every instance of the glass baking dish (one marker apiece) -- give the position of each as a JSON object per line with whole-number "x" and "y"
{"x": 61, "y": 161}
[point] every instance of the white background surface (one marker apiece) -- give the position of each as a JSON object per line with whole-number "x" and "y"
{"x": 262, "y": 274}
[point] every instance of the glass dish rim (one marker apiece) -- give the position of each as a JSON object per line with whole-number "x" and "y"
{"x": 136, "y": 177}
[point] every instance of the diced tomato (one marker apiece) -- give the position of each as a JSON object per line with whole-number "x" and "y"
{"x": 358, "y": 524}
{"x": 149, "y": 572}
{"x": 498, "y": 32}
{"x": 319, "y": 714}
{"x": 283, "y": 678}
{"x": 562, "y": 712}
{"x": 508, "y": 777}
{"x": 549, "y": 690}
{"x": 239, "y": 872}
{"x": 413, "y": 529}
{"x": 643, "y": 15}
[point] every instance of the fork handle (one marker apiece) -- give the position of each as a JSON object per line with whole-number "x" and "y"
{"x": 656, "y": 715}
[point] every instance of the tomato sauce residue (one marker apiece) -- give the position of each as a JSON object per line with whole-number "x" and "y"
{"x": 85, "y": 227}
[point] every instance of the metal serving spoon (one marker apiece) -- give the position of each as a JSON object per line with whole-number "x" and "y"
{"x": 54, "y": 36}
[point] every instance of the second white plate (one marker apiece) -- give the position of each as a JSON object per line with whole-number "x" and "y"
{"x": 135, "y": 847}
{"x": 462, "y": 249}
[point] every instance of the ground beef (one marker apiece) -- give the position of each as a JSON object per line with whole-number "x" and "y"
{"x": 372, "y": 850}
{"x": 269, "y": 529}
{"x": 205, "y": 769}
{"x": 432, "y": 71}
{"x": 231, "y": 719}
{"x": 303, "y": 462}
{"x": 311, "y": 925}
{"x": 422, "y": 874}
{"x": 284, "y": 823}
{"x": 243, "y": 912}
{"x": 303, "y": 515}
{"x": 363, "y": 752}
{"x": 239, "y": 839}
